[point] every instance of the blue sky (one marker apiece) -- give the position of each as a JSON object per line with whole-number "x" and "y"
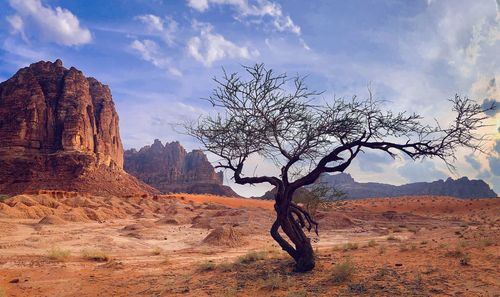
{"x": 159, "y": 57}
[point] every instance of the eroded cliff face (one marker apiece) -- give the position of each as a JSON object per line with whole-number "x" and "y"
{"x": 58, "y": 128}
{"x": 169, "y": 168}
{"x": 48, "y": 108}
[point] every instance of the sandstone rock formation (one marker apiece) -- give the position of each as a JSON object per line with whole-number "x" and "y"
{"x": 170, "y": 169}
{"x": 59, "y": 130}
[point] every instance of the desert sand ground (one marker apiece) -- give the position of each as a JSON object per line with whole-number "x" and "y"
{"x": 69, "y": 244}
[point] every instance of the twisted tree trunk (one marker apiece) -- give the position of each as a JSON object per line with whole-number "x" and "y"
{"x": 292, "y": 219}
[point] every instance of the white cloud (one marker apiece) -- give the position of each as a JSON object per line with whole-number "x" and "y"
{"x": 210, "y": 47}
{"x": 200, "y": 5}
{"x": 260, "y": 9}
{"x": 57, "y": 25}
{"x": 157, "y": 25}
{"x": 464, "y": 34}
{"x": 150, "y": 51}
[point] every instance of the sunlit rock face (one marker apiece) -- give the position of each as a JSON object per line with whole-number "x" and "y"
{"x": 57, "y": 126}
{"x": 170, "y": 168}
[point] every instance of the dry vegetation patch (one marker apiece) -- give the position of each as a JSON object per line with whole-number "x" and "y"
{"x": 95, "y": 255}
{"x": 58, "y": 254}
{"x": 342, "y": 272}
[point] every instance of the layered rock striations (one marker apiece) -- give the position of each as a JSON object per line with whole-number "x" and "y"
{"x": 59, "y": 130}
{"x": 170, "y": 168}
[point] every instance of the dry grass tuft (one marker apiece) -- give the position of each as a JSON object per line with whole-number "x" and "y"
{"x": 273, "y": 281}
{"x": 342, "y": 272}
{"x": 381, "y": 249}
{"x": 227, "y": 267}
{"x": 95, "y": 255}
{"x": 58, "y": 254}
{"x": 393, "y": 238}
{"x": 485, "y": 242}
{"x": 465, "y": 260}
{"x": 349, "y": 246}
{"x": 157, "y": 251}
{"x": 252, "y": 257}
{"x": 206, "y": 266}
{"x": 2, "y": 292}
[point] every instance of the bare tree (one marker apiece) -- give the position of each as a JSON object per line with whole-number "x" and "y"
{"x": 279, "y": 118}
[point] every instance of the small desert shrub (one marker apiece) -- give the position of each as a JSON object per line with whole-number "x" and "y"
{"x": 58, "y": 254}
{"x": 2, "y": 292}
{"x": 393, "y": 238}
{"x": 336, "y": 247}
{"x": 485, "y": 242}
{"x": 443, "y": 246}
{"x": 413, "y": 246}
{"x": 273, "y": 281}
{"x": 157, "y": 251}
{"x": 381, "y": 249}
{"x": 423, "y": 242}
{"x": 465, "y": 260}
{"x": 3, "y": 198}
{"x": 403, "y": 247}
{"x": 252, "y": 257}
{"x": 226, "y": 267}
{"x": 342, "y": 272}
{"x": 95, "y": 255}
{"x": 456, "y": 253}
{"x": 372, "y": 243}
{"x": 206, "y": 266}
{"x": 349, "y": 246}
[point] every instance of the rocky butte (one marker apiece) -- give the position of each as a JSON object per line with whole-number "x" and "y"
{"x": 169, "y": 168}
{"x": 59, "y": 131}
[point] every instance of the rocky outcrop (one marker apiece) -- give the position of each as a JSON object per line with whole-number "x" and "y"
{"x": 59, "y": 130}
{"x": 170, "y": 169}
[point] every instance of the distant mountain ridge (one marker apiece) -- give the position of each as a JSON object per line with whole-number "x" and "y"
{"x": 460, "y": 188}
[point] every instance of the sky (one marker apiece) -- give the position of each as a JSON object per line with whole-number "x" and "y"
{"x": 160, "y": 57}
